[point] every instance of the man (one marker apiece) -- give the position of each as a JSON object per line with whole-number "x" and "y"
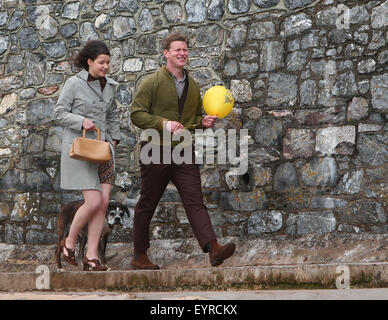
{"x": 169, "y": 100}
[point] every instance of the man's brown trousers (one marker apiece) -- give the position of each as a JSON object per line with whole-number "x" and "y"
{"x": 154, "y": 180}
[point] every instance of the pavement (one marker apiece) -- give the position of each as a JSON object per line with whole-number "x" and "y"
{"x": 227, "y": 304}
{"x": 312, "y": 267}
{"x": 313, "y": 276}
{"x": 205, "y": 296}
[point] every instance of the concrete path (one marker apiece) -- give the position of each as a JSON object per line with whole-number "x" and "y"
{"x": 317, "y": 276}
{"x": 319, "y": 263}
{"x": 329, "y": 294}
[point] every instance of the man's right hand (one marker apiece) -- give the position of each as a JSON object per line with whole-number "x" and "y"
{"x": 174, "y": 127}
{"x": 88, "y": 125}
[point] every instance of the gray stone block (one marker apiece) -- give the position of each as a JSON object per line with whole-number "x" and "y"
{"x": 264, "y": 222}
{"x": 286, "y": 178}
{"x": 320, "y": 172}
{"x": 244, "y": 201}
{"x": 239, "y": 6}
{"x": 282, "y": 89}
{"x": 372, "y": 149}
{"x": 379, "y": 90}
{"x": 266, "y": 3}
{"x": 293, "y": 4}
{"x": 216, "y": 10}
{"x": 269, "y": 131}
{"x": 310, "y": 222}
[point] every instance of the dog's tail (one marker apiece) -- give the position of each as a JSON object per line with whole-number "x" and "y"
{"x": 60, "y": 233}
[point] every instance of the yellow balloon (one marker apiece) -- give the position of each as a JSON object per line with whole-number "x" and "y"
{"x": 218, "y": 101}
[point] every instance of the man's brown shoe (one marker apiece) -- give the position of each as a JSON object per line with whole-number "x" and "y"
{"x": 218, "y": 253}
{"x": 142, "y": 262}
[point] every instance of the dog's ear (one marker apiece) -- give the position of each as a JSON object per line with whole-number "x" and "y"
{"x": 126, "y": 210}
{"x": 112, "y": 204}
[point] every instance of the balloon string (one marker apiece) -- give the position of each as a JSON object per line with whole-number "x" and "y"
{"x": 193, "y": 125}
{"x": 196, "y": 125}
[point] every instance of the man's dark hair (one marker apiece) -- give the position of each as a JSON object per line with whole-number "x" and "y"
{"x": 91, "y": 50}
{"x": 173, "y": 36}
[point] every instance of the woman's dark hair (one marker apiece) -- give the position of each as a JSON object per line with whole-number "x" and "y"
{"x": 91, "y": 50}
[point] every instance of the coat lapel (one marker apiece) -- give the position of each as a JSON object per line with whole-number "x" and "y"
{"x": 96, "y": 87}
{"x": 109, "y": 87}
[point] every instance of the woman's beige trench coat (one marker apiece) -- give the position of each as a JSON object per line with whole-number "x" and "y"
{"x": 79, "y": 99}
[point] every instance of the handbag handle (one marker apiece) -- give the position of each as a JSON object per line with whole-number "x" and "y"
{"x": 95, "y": 128}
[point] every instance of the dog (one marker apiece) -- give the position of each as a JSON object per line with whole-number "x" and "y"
{"x": 115, "y": 215}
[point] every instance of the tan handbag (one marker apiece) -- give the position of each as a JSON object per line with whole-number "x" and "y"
{"x": 92, "y": 150}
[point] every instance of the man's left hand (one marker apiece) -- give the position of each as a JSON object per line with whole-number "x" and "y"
{"x": 209, "y": 121}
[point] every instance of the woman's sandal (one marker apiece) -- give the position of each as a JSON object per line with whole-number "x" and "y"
{"x": 97, "y": 265}
{"x": 70, "y": 258}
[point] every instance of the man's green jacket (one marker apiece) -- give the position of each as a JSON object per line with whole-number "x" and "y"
{"x": 156, "y": 102}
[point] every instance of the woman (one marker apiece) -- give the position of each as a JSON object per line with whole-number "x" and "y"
{"x": 87, "y": 101}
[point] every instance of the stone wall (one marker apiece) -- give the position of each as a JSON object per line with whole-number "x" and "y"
{"x": 310, "y": 80}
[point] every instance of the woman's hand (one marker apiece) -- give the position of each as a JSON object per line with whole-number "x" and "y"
{"x": 88, "y": 125}
{"x": 209, "y": 121}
